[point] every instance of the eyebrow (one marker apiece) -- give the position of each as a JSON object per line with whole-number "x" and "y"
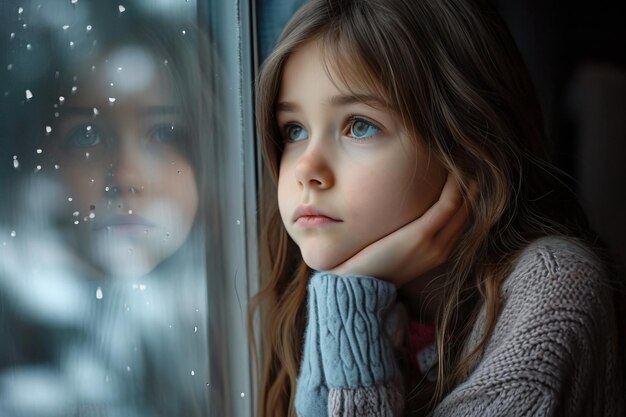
{"x": 340, "y": 100}
{"x": 148, "y": 110}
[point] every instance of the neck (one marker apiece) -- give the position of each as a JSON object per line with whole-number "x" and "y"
{"x": 423, "y": 295}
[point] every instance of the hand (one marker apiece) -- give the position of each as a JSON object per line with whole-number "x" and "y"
{"x": 417, "y": 247}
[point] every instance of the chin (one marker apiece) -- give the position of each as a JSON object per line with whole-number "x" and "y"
{"x": 321, "y": 260}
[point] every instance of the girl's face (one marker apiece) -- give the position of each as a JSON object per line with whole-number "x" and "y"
{"x": 131, "y": 191}
{"x": 349, "y": 173}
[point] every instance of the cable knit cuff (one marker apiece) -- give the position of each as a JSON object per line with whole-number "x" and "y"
{"x": 350, "y": 313}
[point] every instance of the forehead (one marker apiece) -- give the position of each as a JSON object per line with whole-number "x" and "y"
{"x": 326, "y": 71}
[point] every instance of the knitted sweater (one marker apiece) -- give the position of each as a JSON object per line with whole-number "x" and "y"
{"x": 553, "y": 351}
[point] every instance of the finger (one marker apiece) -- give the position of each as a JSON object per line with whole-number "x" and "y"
{"x": 459, "y": 222}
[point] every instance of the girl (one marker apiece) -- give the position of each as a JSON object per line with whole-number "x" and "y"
{"x": 404, "y": 148}
{"x": 115, "y": 201}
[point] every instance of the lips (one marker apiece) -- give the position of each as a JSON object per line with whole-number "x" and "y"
{"x": 123, "y": 221}
{"x": 311, "y": 216}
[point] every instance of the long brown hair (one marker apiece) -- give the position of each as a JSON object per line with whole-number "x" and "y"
{"x": 450, "y": 69}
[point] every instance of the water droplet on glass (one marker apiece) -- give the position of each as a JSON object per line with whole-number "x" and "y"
{"x": 88, "y": 28}
{"x": 99, "y": 294}
{"x": 76, "y": 222}
{"x": 167, "y": 234}
{"x": 238, "y": 222}
{"x": 61, "y": 99}
{"x": 128, "y": 368}
{"x": 107, "y": 378}
{"x": 39, "y": 151}
{"x": 243, "y": 395}
{"x": 74, "y": 88}
{"x": 69, "y": 199}
{"x": 111, "y": 100}
{"x": 10, "y": 67}
{"x": 24, "y": 26}
{"x": 38, "y": 168}
{"x": 13, "y": 234}
{"x": 93, "y": 67}
{"x": 66, "y": 27}
{"x": 56, "y": 114}
{"x": 119, "y": 68}
{"x": 184, "y": 32}
{"x": 106, "y": 189}
{"x": 130, "y": 212}
{"x": 20, "y": 10}
{"x": 74, "y": 1}
{"x": 92, "y": 180}
{"x": 16, "y": 163}
{"x": 29, "y": 95}
{"x": 92, "y": 215}
{"x": 195, "y": 329}
{"x": 48, "y": 130}
{"x": 29, "y": 47}
{"x": 165, "y": 62}
{"x": 12, "y": 36}
{"x": 95, "y": 111}
{"x": 193, "y": 373}
{"x": 86, "y": 155}
{"x": 121, "y": 8}
{"x": 71, "y": 44}
{"x": 76, "y": 214}
{"x": 142, "y": 287}
{"x": 56, "y": 166}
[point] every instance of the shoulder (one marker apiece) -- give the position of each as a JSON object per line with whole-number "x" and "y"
{"x": 553, "y": 273}
{"x": 554, "y": 346}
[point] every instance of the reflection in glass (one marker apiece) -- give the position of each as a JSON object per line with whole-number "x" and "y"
{"x": 107, "y": 125}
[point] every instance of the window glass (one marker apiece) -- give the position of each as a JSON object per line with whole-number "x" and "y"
{"x": 116, "y": 257}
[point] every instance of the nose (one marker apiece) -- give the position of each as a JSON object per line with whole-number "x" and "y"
{"x": 127, "y": 174}
{"x": 313, "y": 169}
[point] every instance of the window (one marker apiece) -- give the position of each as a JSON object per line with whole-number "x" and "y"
{"x": 128, "y": 229}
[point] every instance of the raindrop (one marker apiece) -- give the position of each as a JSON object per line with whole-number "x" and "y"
{"x": 130, "y": 212}
{"x": 66, "y": 27}
{"x": 106, "y": 189}
{"x": 99, "y": 294}
{"x": 56, "y": 114}
{"x": 74, "y": 78}
{"x": 48, "y": 130}
{"x": 76, "y": 214}
{"x": 111, "y": 84}
{"x": 12, "y": 35}
{"x": 195, "y": 329}
{"x": 29, "y": 95}
{"x": 56, "y": 166}
{"x": 92, "y": 180}
{"x": 24, "y": 26}
{"x": 16, "y": 163}
{"x": 128, "y": 368}
{"x": 95, "y": 111}
{"x": 10, "y": 67}
{"x": 238, "y": 222}
{"x": 121, "y": 8}
{"x": 74, "y": 88}
{"x": 13, "y": 234}
{"x": 69, "y": 199}
{"x": 61, "y": 99}
{"x": 86, "y": 155}
{"x": 243, "y": 395}
{"x": 76, "y": 222}
{"x": 74, "y": 1}
{"x": 39, "y": 151}
{"x": 89, "y": 27}
{"x": 56, "y": 75}
{"x": 165, "y": 62}
{"x": 119, "y": 68}
{"x": 38, "y": 168}
{"x": 93, "y": 67}
{"x": 20, "y": 10}
{"x": 29, "y": 47}
{"x": 142, "y": 287}
{"x": 111, "y": 100}
{"x": 184, "y": 32}
{"x": 193, "y": 373}
{"x": 71, "y": 44}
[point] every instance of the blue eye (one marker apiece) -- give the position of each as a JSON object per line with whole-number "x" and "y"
{"x": 362, "y": 129}
{"x": 84, "y": 136}
{"x": 166, "y": 133}
{"x": 295, "y": 133}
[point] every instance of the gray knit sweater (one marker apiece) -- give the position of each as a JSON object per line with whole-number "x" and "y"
{"x": 553, "y": 351}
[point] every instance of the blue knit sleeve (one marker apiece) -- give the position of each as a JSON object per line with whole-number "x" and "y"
{"x": 348, "y": 366}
